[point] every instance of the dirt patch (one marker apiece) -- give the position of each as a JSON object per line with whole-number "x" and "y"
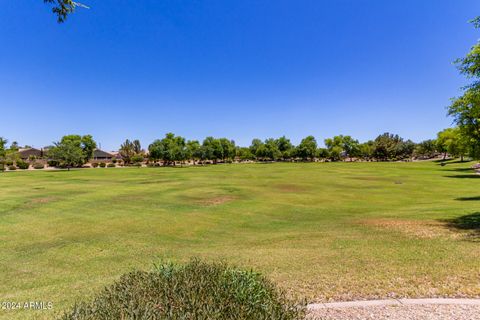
{"x": 290, "y": 188}
{"x": 413, "y": 228}
{"x": 215, "y": 201}
{"x": 42, "y": 200}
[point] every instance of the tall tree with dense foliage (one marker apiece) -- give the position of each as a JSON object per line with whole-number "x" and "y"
{"x": 194, "y": 151}
{"x": 452, "y": 141}
{"x": 227, "y": 149}
{"x": 307, "y": 149}
{"x": 390, "y": 146}
{"x": 256, "y": 148}
{"x": 169, "y": 149}
{"x": 465, "y": 109}
{"x": 286, "y": 148}
{"x": 211, "y": 149}
{"x": 270, "y": 150}
{"x": 68, "y": 153}
{"x": 341, "y": 147}
{"x": 85, "y": 143}
{"x": 334, "y": 148}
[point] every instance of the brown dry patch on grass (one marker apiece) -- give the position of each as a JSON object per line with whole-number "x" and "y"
{"x": 215, "y": 201}
{"x": 290, "y": 188}
{"x": 413, "y": 228}
{"x": 42, "y": 200}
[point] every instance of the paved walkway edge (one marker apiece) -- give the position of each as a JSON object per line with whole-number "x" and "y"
{"x": 393, "y": 302}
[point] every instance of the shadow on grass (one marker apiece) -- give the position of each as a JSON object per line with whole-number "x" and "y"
{"x": 461, "y": 169}
{"x": 469, "y": 222}
{"x": 477, "y": 198}
{"x": 450, "y": 161}
{"x": 464, "y": 176}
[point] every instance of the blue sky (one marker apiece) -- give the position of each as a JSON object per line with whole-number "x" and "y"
{"x": 240, "y": 69}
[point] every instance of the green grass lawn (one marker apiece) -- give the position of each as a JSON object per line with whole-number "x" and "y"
{"x": 321, "y": 230}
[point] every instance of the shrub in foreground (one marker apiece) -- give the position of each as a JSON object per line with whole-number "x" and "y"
{"x": 22, "y": 165}
{"x": 12, "y": 167}
{"x": 94, "y": 164}
{"x": 102, "y": 164}
{"x": 111, "y": 165}
{"x": 38, "y": 166}
{"x": 196, "y": 290}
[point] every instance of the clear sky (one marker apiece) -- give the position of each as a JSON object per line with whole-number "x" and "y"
{"x": 239, "y": 68}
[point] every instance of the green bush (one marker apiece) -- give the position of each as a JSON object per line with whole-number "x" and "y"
{"x": 38, "y": 166}
{"x": 114, "y": 160}
{"x": 111, "y": 165}
{"x": 53, "y": 163}
{"x": 22, "y": 165}
{"x": 12, "y": 167}
{"x": 102, "y": 164}
{"x": 196, "y": 290}
{"x": 94, "y": 164}
{"x": 137, "y": 158}
{"x": 136, "y": 164}
{"x": 9, "y": 163}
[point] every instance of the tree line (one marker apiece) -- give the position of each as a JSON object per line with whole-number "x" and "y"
{"x": 76, "y": 150}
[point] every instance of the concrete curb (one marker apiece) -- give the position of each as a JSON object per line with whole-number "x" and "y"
{"x": 393, "y": 302}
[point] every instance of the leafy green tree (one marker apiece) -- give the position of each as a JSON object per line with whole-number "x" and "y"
{"x": 3, "y": 153}
{"x": 452, "y": 141}
{"x": 170, "y": 149}
{"x": 307, "y": 149}
{"x": 389, "y": 146}
{"x": 85, "y": 143}
{"x": 226, "y": 151}
{"x": 212, "y": 149}
{"x": 127, "y": 151}
{"x": 323, "y": 153}
{"x": 88, "y": 146}
{"x": 405, "y": 149}
{"x": 465, "y": 109}
{"x": 244, "y": 153}
{"x": 269, "y": 150}
{"x": 68, "y": 153}
{"x": 341, "y": 147}
{"x": 426, "y": 149}
{"x": 285, "y": 147}
{"x": 366, "y": 150}
{"x": 257, "y": 148}
{"x": 194, "y": 151}
{"x": 137, "y": 158}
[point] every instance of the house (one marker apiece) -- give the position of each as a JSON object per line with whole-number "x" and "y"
{"x": 102, "y": 155}
{"x": 27, "y": 153}
{"x": 116, "y": 155}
